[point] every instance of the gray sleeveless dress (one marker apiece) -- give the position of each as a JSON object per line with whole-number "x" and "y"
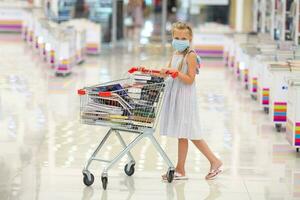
{"x": 180, "y": 114}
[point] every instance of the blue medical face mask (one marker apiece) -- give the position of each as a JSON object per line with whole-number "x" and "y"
{"x": 180, "y": 45}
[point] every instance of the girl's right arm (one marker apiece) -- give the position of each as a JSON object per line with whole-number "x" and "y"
{"x": 164, "y": 70}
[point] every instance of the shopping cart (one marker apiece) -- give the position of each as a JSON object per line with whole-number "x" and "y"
{"x": 129, "y": 105}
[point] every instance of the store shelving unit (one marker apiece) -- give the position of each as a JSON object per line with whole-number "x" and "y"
{"x": 289, "y": 25}
{"x": 259, "y": 15}
{"x": 296, "y": 21}
{"x": 264, "y": 13}
{"x": 269, "y": 10}
{"x": 279, "y": 20}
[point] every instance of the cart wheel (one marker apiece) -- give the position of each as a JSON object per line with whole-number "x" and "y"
{"x": 297, "y": 149}
{"x": 253, "y": 97}
{"x": 86, "y": 180}
{"x": 129, "y": 172}
{"x": 104, "y": 180}
{"x": 278, "y": 127}
{"x": 170, "y": 175}
{"x": 266, "y": 110}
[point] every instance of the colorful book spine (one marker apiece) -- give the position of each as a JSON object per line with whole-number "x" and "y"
{"x": 209, "y": 50}
{"x": 11, "y": 25}
{"x": 266, "y": 96}
{"x": 297, "y": 133}
{"x": 280, "y": 109}
{"x": 30, "y": 36}
{"x": 43, "y": 47}
{"x": 232, "y": 60}
{"x": 238, "y": 71}
{"x": 78, "y": 56}
{"x": 92, "y": 48}
{"x": 36, "y": 42}
{"x": 246, "y": 75}
{"x": 52, "y": 56}
{"x": 64, "y": 65}
{"x": 254, "y": 84}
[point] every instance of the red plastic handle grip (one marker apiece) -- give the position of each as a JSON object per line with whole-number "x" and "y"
{"x": 133, "y": 69}
{"x": 104, "y": 94}
{"x": 81, "y": 92}
{"x": 144, "y": 70}
{"x": 172, "y": 74}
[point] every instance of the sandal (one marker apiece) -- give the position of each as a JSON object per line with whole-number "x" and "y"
{"x": 213, "y": 174}
{"x": 177, "y": 176}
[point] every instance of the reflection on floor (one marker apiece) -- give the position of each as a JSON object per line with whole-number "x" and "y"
{"x": 44, "y": 147}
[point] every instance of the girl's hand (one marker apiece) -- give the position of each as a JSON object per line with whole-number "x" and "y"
{"x": 171, "y": 71}
{"x": 163, "y": 72}
{"x": 141, "y": 69}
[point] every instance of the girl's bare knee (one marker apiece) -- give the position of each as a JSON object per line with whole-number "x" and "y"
{"x": 182, "y": 139}
{"x": 196, "y": 141}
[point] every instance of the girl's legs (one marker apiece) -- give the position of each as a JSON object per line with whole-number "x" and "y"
{"x": 182, "y": 152}
{"x": 215, "y": 163}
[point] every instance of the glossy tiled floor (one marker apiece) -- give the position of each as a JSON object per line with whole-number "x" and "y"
{"x": 43, "y": 146}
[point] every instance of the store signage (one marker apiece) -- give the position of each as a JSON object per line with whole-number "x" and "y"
{"x": 210, "y": 2}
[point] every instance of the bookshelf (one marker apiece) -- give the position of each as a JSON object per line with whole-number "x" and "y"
{"x": 279, "y": 20}
{"x": 269, "y": 8}
{"x": 264, "y": 13}
{"x": 259, "y": 15}
{"x": 290, "y": 19}
{"x": 296, "y": 20}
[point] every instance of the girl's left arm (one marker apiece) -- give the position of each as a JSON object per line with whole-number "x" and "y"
{"x": 192, "y": 68}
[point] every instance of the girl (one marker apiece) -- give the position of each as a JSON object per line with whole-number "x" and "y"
{"x": 179, "y": 116}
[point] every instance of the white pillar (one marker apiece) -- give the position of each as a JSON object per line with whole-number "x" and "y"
{"x": 164, "y": 22}
{"x": 114, "y": 23}
{"x": 239, "y": 15}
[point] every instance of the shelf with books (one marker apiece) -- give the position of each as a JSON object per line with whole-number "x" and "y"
{"x": 258, "y": 16}
{"x": 296, "y": 21}
{"x": 279, "y": 19}
{"x": 290, "y": 19}
{"x": 269, "y": 10}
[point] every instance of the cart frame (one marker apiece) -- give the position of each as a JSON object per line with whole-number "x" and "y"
{"x": 145, "y": 132}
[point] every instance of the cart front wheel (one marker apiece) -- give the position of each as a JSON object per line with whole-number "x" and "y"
{"x": 170, "y": 175}
{"x": 253, "y": 97}
{"x": 297, "y": 149}
{"x": 266, "y": 109}
{"x": 278, "y": 127}
{"x": 87, "y": 181}
{"x": 104, "y": 180}
{"x": 130, "y": 171}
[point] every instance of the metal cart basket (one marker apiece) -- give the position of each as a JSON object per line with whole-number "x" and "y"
{"x": 129, "y": 105}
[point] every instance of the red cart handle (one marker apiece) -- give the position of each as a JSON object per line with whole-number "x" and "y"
{"x": 144, "y": 70}
{"x": 81, "y": 92}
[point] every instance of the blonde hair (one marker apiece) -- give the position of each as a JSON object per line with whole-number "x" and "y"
{"x": 182, "y": 26}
